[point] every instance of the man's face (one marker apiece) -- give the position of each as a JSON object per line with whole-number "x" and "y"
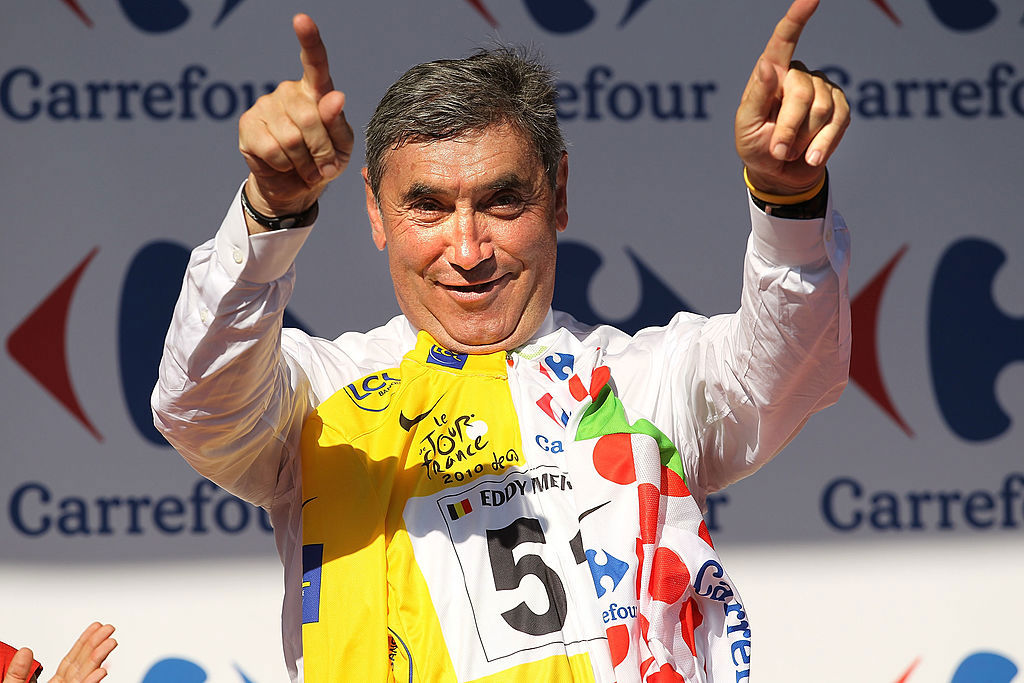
{"x": 470, "y": 225}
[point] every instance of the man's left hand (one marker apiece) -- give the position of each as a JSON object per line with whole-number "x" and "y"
{"x": 790, "y": 120}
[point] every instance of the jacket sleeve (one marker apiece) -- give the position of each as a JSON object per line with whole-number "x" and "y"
{"x": 227, "y": 398}
{"x": 737, "y": 388}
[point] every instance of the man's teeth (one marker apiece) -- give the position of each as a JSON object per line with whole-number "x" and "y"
{"x": 481, "y": 287}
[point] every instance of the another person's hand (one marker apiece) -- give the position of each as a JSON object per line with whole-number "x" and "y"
{"x": 20, "y": 669}
{"x": 296, "y": 139}
{"x": 84, "y": 662}
{"x": 790, "y": 120}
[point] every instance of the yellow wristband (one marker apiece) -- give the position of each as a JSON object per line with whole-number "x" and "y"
{"x": 783, "y": 199}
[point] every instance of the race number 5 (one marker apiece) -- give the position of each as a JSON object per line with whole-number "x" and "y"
{"x": 509, "y": 573}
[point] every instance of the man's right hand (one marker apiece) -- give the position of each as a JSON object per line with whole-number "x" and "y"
{"x": 296, "y": 139}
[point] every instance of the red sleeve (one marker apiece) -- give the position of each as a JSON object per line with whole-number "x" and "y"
{"x": 7, "y": 654}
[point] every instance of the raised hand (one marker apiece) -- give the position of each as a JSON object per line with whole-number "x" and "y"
{"x": 789, "y": 121}
{"x": 84, "y": 662}
{"x": 296, "y": 139}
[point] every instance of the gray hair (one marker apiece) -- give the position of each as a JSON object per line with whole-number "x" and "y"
{"x": 444, "y": 99}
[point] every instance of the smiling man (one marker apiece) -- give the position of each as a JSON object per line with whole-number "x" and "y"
{"x": 484, "y": 489}
{"x": 469, "y": 224}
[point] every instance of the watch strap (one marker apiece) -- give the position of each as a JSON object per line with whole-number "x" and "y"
{"x": 294, "y": 220}
{"x": 810, "y": 208}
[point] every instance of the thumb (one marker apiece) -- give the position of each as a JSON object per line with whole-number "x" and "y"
{"x": 330, "y": 106}
{"x": 20, "y": 667}
{"x": 332, "y": 113}
{"x": 760, "y": 95}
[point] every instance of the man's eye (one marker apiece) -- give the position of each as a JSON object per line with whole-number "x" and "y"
{"x": 506, "y": 203}
{"x": 510, "y": 198}
{"x": 427, "y": 206}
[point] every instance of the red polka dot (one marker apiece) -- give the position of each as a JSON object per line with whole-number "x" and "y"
{"x": 644, "y": 626}
{"x": 576, "y": 388}
{"x": 613, "y": 458}
{"x": 672, "y": 484}
{"x": 618, "y": 643}
{"x": 703, "y": 532}
{"x": 666, "y": 674}
{"x": 598, "y": 379}
{"x": 645, "y": 665}
{"x": 639, "y": 564}
{"x": 690, "y": 618}
{"x": 669, "y": 576}
{"x": 649, "y": 498}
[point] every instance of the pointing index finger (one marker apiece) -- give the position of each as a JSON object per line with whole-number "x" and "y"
{"x": 315, "y": 71}
{"x": 781, "y": 46}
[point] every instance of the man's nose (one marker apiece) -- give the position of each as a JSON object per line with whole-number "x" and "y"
{"x": 469, "y": 243}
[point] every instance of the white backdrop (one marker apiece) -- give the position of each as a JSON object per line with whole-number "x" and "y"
{"x": 884, "y": 545}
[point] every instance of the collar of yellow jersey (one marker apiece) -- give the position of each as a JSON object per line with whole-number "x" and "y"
{"x": 436, "y": 357}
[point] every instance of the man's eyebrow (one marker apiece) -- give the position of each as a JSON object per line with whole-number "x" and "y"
{"x": 510, "y": 181}
{"x": 419, "y": 190}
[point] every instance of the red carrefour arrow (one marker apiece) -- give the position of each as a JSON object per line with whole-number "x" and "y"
{"x": 478, "y": 5}
{"x": 864, "y": 366}
{"x": 78, "y": 10}
{"x": 38, "y": 344}
{"x": 888, "y": 11}
{"x": 906, "y": 674}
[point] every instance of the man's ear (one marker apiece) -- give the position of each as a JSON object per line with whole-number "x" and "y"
{"x": 561, "y": 196}
{"x": 373, "y": 211}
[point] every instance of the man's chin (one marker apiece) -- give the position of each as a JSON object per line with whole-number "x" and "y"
{"x": 465, "y": 332}
{"x": 477, "y": 345}
{"x": 479, "y": 339}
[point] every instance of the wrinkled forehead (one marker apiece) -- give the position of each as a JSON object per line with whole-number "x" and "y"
{"x": 505, "y": 147}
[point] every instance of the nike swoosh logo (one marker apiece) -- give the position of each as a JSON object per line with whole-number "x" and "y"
{"x": 593, "y": 509}
{"x": 308, "y": 500}
{"x": 408, "y": 423}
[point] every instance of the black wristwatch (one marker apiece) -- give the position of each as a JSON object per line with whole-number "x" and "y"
{"x": 294, "y": 220}
{"x": 812, "y": 208}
